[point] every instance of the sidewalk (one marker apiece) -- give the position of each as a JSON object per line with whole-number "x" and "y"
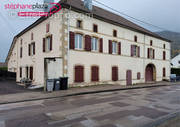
{"x": 32, "y": 96}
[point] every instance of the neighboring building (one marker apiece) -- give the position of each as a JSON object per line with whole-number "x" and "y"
{"x": 175, "y": 62}
{"x": 105, "y": 48}
{"x": 3, "y": 64}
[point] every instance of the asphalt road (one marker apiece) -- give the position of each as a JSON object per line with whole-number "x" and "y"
{"x": 131, "y": 108}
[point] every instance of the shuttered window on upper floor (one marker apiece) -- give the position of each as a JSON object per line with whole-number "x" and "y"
{"x": 150, "y": 53}
{"x": 135, "y": 51}
{"x": 47, "y": 43}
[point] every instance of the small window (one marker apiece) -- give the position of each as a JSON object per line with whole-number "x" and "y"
{"x": 164, "y": 46}
{"x": 32, "y": 36}
{"x": 78, "y": 41}
{"x": 79, "y": 24}
{"x": 164, "y": 72}
{"x": 114, "y": 47}
{"x": 138, "y": 76}
{"x": 114, "y": 33}
{"x": 94, "y": 44}
{"x": 21, "y": 52}
{"x": 47, "y": 44}
{"x": 164, "y": 55}
{"x": 47, "y": 27}
{"x": 20, "y": 72}
{"x": 79, "y": 74}
{"x": 135, "y": 38}
{"x": 151, "y": 43}
{"x": 95, "y": 28}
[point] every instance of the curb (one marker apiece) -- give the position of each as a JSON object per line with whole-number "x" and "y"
{"x": 163, "y": 120}
{"x": 83, "y": 93}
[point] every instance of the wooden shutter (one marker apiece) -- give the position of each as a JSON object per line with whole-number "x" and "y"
{"x": 32, "y": 36}
{"x": 164, "y": 55}
{"x": 44, "y": 45}
{"x": 34, "y": 48}
{"x": 138, "y": 75}
{"x": 132, "y": 50}
{"x": 101, "y": 45}
{"x": 110, "y": 47}
{"x": 164, "y": 72}
{"x": 94, "y": 73}
{"x": 29, "y": 51}
{"x": 72, "y": 40}
{"x": 148, "y": 53}
{"x": 87, "y": 43}
{"x": 138, "y": 51}
{"x": 119, "y": 48}
{"x": 79, "y": 74}
{"x": 20, "y": 72}
{"x": 153, "y": 53}
{"x": 51, "y": 42}
{"x": 114, "y": 73}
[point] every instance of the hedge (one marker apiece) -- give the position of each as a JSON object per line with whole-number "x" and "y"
{"x": 175, "y": 71}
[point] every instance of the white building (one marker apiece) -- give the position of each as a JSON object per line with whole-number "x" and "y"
{"x": 104, "y": 48}
{"x": 175, "y": 62}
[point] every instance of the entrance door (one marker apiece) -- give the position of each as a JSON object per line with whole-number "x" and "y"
{"x": 149, "y": 73}
{"x": 31, "y": 73}
{"x": 129, "y": 77}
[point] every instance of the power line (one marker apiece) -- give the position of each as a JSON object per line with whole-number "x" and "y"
{"x": 129, "y": 16}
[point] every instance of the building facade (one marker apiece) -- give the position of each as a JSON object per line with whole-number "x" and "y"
{"x": 175, "y": 62}
{"x": 89, "y": 48}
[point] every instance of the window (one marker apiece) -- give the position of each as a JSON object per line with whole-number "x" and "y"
{"x": 79, "y": 24}
{"x": 21, "y": 52}
{"x": 79, "y": 74}
{"x": 47, "y": 44}
{"x": 32, "y": 36}
{"x": 164, "y": 55}
{"x": 151, "y": 43}
{"x": 94, "y": 44}
{"x": 95, "y": 28}
{"x": 164, "y": 72}
{"x": 32, "y": 49}
{"x": 114, "y": 47}
{"x": 135, "y": 38}
{"x": 114, "y": 73}
{"x": 151, "y": 53}
{"x": 20, "y": 72}
{"x": 27, "y": 72}
{"x": 114, "y": 33}
{"x": 164, "y": 46}
{"x": 94, "y": 73}
{"x": 78, "y": 41}
{"x": 135, "y": 50}
{"x": 47, "y": 27}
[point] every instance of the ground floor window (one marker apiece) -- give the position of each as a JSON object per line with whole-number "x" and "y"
{"x": 20, "y": 72}
{"x": 31, "y": 73}
{"x": 164, "y": 72}
{"x": 94, "y": 73}
{"x": 114, "y": 73}
{"x": 79, "y": 74}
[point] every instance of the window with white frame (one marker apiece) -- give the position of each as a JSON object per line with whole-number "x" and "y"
{"x": 135, "y": 50}
{"x": 114, "y": 47}
{"x": 151, "y": 53}
{"x": 78, "y": 41}
{"x": 94, "y": 44}
{"x": 47, "y": 45}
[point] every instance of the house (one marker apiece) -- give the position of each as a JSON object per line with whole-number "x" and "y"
{"x": 88, "y": 47}
{"x": 175, "y": 62}
{"x": 3, "y": 64}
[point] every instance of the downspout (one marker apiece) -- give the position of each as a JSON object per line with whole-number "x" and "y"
{"x": 144, "y": 69}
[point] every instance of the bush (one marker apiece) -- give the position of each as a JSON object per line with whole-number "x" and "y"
{"x": 3, "y": 68}
{"x": 175, "y": 71}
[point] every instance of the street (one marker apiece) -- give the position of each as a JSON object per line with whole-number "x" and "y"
{"x": 128, "y": 108}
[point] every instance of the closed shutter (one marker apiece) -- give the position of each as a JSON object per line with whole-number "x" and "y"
{"x": 110, "y": 47}
{"x": 148, "y": 53}
{"x": 87, "y": 43}
{"x": 94, "y": 73}
{"x": 138, "y": 75}
{"x": 153, "y": 53}
{"x": 101, "y": 45}
{"x": 79, "y": 74}
{"x": 119, "y": 48}
{"x": 72, "y": 40}
{"x": 51, "y": 42}
{"x": 164, "y": 72}
{"x": 44, "y": 46}
{"x": 114, "y": 73}
{"x": 164, "y": 55}
{"x": 34, "y": 49}
{"x": 138, "y": 51}
{"x": 132, "y": 50}
{"x": 29, "y": 51}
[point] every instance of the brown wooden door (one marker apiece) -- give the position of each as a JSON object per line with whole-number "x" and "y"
{"x": 114, "y": 73}
{"x": 149, "y": 74}
{"x": 94, "y": 73}
{"x": 79, "y": 74}
{"x": 129, "y": 77}
{"x": 31, "y": 73}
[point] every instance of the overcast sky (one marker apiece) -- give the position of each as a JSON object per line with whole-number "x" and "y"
{"x": 162, "y": 13}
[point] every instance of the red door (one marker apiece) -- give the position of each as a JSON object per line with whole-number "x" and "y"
{"x": 129, "y": 77}
{"x": 149, "y": 74}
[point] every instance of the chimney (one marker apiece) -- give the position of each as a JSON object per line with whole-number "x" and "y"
{"x": 88, "y": 4}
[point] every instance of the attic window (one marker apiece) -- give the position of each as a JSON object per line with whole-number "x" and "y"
{"x": 164, "y": 46}
{"x": 79, "y": 24}
{"x": 114, "y": 33}
{"x": 95, "y": 28}
{"x": 135, "y": 38}
{"x": 151, "y": 43}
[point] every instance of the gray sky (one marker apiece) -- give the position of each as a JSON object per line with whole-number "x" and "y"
{"x": 162, "y": 13}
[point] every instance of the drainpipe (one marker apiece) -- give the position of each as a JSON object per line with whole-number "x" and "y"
{"x": 144, "y": 69}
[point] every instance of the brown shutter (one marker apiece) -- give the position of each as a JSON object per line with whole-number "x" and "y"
{"x": 29, "y": 52}
{"x": 20, "y": 73}
{"x": 164, "y": 72}
{"x": 114, "y": 73}
{"x": 101, "y": 45}
{"x": 119, "y": 48}
{"x": 72, "y": 40}
{"x": 31, "y": 73}
{"x": 47, "y": 28}
{"x": 21, "y": 50}
{"x": 110, "y": 47}
{"x": 138, "y": 51}
{"x": 132, "y": 49}
{"x": 148, "y": 53}
{"x": 34, "y": 48}
{"x": 94, "y": 73}
{"x": 153, "y": 53}
{"x": 44, "y": 46}
{"x": 164, "y": 55}
{"x": 51, "y": 41}
{"x": 87, "y": 43}
{"x": 79, "y": 74}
